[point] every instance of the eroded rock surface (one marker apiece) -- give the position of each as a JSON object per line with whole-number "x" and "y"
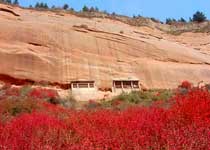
{"x": 45, "y": 46}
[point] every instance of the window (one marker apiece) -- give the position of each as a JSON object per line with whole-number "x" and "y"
{"x": 74, "y": 85}
{"x": 83, "y": 85}
{"x": 135, "y": 84}
{"x": 126, "y": 84}
{"x": 117, "y": 84}
{"x": 91, "y": 85}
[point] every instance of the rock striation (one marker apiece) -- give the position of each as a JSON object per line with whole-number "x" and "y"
{"x": 48, "y": 46}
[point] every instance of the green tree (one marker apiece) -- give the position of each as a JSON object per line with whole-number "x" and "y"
{"x": 92, "y": 9}
{"x": 170, "y": 21}
{"x": 37, "y": 5}
{"x": 41, "y": 5}
{"x": 182, "y": 20}
{"x": 45, "y": 6}
{"x": 199, "y": 17}
{"x": 85, "y": 9}
{"x": 65, "y": 6}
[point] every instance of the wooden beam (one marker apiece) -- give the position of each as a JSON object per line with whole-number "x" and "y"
{"x": 131, "y": 84}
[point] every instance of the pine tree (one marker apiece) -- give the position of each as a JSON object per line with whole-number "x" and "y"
{"x": 65, "y": 6}
{"x": 45, "y": 6}
{"x": 85, "y": 9}
{"x": 41, "y": 5}
{"x": 170, "y": 21}
{"x": 92, "y": 9}
{"x": 37, "y": 5}
{"x": 199, "y": 17}
{"x": 182, "y": 20}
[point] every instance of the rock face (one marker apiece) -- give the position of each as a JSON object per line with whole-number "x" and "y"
{"x": 47, "y": 46}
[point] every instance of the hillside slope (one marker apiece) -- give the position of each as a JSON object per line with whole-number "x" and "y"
{"x": 56, "y": 47}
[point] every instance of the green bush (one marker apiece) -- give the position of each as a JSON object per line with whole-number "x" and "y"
{"x": 92, "y": 105}
{"x": 143, "y": 97}
{"x": 15, "y": 107}
{"x": 133, "y": 97}
{"x": 68, "y": 102}
{"x": 25, "y": 90}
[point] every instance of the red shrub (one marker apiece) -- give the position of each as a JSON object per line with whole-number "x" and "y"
{"x": 184, "y": 125}
{"x": 12, "y": 92}
{"x": 186, "y": 85}
{"x": 41, "y": 93}
{"x": 189, "y": 121}
{"x": 9, "y": 91}
{"x": 193, "y": 106}
{"x": 34, "y": 131}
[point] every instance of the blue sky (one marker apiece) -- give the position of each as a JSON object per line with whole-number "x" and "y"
{"x": 160, "y": 9}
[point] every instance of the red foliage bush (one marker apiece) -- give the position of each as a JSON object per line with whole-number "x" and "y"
{"x": 189, "y": 121}
{"x": 8, "y": 91}
{"x": 34, "y": 131}
{"x": 13, "y": 92}
{"x": 186, "y": 85}
{"x": 41, "y": 93}
{"x": 184, "y": 125}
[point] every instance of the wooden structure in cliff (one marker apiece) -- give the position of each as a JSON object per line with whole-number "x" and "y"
{"x": 125, "y": 85}
{"x": 82, "y": 84}
{"x": 83, "y": 90}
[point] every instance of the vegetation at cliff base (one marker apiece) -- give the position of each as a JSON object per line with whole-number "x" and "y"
{"x": 33, "y": 123}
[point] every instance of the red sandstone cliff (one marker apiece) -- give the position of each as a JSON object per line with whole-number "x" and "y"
{"x": 51, "y": 47}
